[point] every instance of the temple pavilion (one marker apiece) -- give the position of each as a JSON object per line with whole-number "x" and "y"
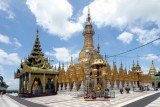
{"x": 155, "y": 76}
{"x": 36, "y": 76}
{"x": 94, "y": 73}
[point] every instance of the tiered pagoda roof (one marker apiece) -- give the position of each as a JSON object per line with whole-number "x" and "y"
{"x": 36, "y": 62}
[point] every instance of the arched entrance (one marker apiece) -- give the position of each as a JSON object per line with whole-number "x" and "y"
{"x": 153, "y": 84}
{"x": 158, "y": 85}
{"x": 37, "y": 86}
{"x": 50, "y": 86}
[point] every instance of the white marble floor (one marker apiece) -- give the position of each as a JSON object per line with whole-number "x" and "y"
{"x": 70, "y": 101}
{"x": 8, "y": 102}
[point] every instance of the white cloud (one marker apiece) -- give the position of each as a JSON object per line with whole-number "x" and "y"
{"x": 9, "y": 58}
{"x": 145, "y": 36}
{"x": 4, "y": 7}
{"x": 126, "y": 15}
{"x": 1, "y": 69}
{"x": 63, "y": 54}
{"x": 12, "y": 83}
{"x": 145, "y": 70}
{"x": 150, "y": 57}
{"x": 49, "y": 54}
{"x": 2, "y": 73}
{"x": 65, "y": 65}
{"x": 55, "y": 16}
{"x": 123, "y": 13}
{"x": 158, "y": 69}
{"x": 17, "y": 43}
{"x": 5, "y": 39}
{"x": 125, "y": 37}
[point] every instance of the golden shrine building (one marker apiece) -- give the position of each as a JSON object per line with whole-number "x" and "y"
{"x": 92, "y": 73}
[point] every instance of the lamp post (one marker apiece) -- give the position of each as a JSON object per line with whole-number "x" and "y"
{"x": 138, "y": 74}
{"x": 87, "y": 84}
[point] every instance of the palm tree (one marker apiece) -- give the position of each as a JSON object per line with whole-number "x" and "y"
{"x": 1, "y": 78}
{"x": 3, "y": 85}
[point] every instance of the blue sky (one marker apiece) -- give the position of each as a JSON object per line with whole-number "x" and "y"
{"x": 120, "y": 24}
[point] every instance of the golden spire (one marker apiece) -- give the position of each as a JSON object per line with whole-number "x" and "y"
{"x": 88, "y": 33}
{"x": 152, "y": 70}
{"x": 138, "y": 68}
{"x": 74, "y": 76}
{"x": 36, "y": 56}
{"x": 37, "y": 34}
{"x": 121, "y": 64}
{"x": 121, "y": 68}
{"x": 121, "y": 71}
{"x": 125, "y": 68}
{"x": 60, "y": 77}
{"x": 67, "y": 77}
{"x": 62, "y": 65}
{"x": 59, "y": 67}
{"x": 63, "y": 74}
{"x": 98, "y": 46}
{"x": 89, "y": 17}
{"x": 105, "y": 57}
{"x": 114, "y": 71}
{"x": 133, "y": 67}
{"x": 71, "y": 63}
{"x": 133, "y": 64}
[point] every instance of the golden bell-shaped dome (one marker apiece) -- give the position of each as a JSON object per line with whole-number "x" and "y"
{"x": 98, "y": 62}
{"x": 94, "y": 72}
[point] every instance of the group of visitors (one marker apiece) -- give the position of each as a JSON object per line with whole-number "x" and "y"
{"x": 127, "y": 88}
{"x": 106, "y": 94}
{"x": 100, "y": 93}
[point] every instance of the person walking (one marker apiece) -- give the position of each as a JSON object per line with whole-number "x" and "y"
{"x": 121, "y": 90}
{"x": 1, "y": 93}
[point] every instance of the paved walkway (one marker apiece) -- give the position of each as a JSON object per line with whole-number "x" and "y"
{"x": 155, "y": 103}
{"x": 24, "y": 102}
{"x": 69, "y": 101}
{"x": 145, "y": 101}
{"x": 5, "y": 101}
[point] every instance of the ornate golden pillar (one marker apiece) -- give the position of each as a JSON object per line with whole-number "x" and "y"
{"x": 29, "y": 84}
{"x": 44, "y": 76}
{"x": 25, "y": 85}
{"x": 55, "y": 82}
{"x": 20, "y": 84}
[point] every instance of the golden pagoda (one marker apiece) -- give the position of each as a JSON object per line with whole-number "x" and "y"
{"x": 154, "y": 76}
{"x": 152, "y": 70}
{"x": 36, "y": 75}
{"x": 95, "y": 71}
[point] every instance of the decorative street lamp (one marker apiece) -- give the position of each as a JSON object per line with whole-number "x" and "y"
{"x": 88, "y": 74}
{"x": 138, "y": 74}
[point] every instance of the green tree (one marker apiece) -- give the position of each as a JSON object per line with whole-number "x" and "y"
{"x": 2, "y": 83}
